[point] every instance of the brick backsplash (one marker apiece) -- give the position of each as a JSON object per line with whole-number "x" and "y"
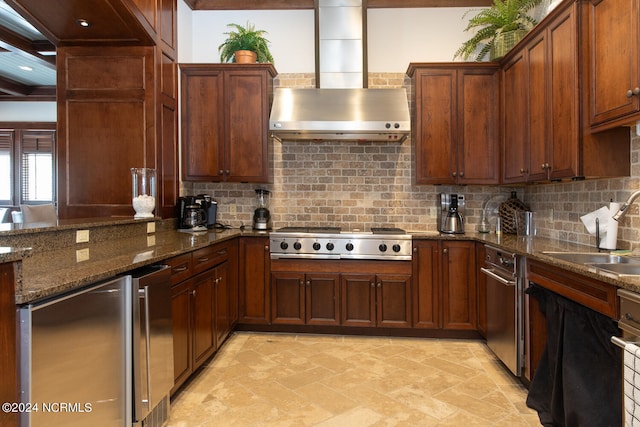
{"x": 359, "y": 185}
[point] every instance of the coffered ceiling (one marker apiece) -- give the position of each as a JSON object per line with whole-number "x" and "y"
{"x": 27, "y": 57}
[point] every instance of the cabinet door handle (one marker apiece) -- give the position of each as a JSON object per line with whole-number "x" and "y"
{"x": 301, "y": 282}
{"x": 193, "y": 293}
{"x": 379, "y": 285}
{"x": 522, "y": 171}
{"x": 373, "y": 285}
{"x": 635, "y": 91}
{"x": 455, "y": 174}
{"x": 220, "y": 172}
{"x": 228, "y": 171}
{"x": 445, "y": 251}
{"x": 266, "y": 247}
{"x": 308, "y": 282}
{"x": 461, "y": 174}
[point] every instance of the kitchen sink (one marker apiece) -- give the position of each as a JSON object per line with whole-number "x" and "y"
{"x": 632, "y": 269}
{"x": 595, "y": 258}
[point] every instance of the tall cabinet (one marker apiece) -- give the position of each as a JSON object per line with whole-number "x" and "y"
{"x": 225, "y": 121}
{"x": 116, "y": 101}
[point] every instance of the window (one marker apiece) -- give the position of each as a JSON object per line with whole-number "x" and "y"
{"x": 6, "y": 181}
{"x": 36, "y": 182}
{"x": 27, "y": 172}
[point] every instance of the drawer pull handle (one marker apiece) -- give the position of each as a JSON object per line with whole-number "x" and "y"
{"x": 628, "y": 316}
{"x": 179, "y": 269}
{"x": 203, "y": 259}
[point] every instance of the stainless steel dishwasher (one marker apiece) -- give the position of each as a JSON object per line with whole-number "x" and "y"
{"x": 152, "y": 356}
{"x": 505, "y": 296}
{"x": 73, "y": 361}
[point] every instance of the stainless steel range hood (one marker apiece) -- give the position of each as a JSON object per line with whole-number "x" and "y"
{"x": 343, "y": 114}
{"x": 341, "y": 109}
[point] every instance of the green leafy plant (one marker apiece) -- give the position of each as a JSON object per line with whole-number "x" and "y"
{"x": 245, "y": 38}
{"x": 502, "y": 17}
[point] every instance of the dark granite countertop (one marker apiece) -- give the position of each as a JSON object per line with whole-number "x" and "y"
{"x": 11, "y": 254}
{"x": 535, "y": 248}
{"x": 48, "y": 273}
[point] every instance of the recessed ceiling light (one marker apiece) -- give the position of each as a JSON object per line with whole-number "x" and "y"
{"x": 25, "y": 68}
{"x": 83, "y": 23}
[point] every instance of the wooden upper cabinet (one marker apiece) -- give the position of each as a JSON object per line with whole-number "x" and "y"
{"x": 455, "y": 122}
{"x": 515, "y": 123}
{"x": 202, "y": 124}
{"x": 613, "y": 71}
{"x": 541, "y": 103}
{"x": 225, "y": 121}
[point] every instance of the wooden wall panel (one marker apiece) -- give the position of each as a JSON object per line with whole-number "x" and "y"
{"x": 106, "y": 124}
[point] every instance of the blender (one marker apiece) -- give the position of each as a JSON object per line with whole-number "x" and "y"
{"x": 262, "y": 216}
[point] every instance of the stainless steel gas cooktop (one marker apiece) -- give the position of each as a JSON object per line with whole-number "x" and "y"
{"x": 333, "y": 243}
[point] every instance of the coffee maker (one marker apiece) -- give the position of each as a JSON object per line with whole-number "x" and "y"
{"x": 191, "y": 214}
{"x": 211, "y": 207}
{"x": 451, "y": 213}
{"x": 262, "y": 216}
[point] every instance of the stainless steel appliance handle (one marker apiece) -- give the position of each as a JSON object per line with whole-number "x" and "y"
{"x": 622, "y": 343}
{"x": 497, "y": 277}
{"x": 144, "y": 294}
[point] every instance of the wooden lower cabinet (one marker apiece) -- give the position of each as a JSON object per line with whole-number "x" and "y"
{"x": 8, "y": 344}
{"x": 482, "y": 290}
{"x": 336, "y": 293}
{"x": 202, "y": 306}
{"x": 444, "y": 274}
{"x": 305, "y": 299}
{"x": 254, "y": 295}
{"x": 376, "y": 300}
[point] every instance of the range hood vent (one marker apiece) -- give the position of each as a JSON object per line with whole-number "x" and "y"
{"x": 352, "y": 114}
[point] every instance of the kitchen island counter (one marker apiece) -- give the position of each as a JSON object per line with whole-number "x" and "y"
{"x": 49, "y": 273}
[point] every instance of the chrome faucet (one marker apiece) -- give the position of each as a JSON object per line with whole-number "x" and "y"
{"x": 623, "y": 209}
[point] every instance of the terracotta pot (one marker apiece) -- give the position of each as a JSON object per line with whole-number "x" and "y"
{"x": 246, "y": 57}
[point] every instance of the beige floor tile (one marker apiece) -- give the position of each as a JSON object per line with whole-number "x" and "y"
{"x": 330, "y": 380}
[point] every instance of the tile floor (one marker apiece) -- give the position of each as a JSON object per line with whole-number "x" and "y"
{"x": 316, "y": 380}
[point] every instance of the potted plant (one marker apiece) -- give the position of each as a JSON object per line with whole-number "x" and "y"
{"x": 243, "y": 40}
{"x": 499, "y": 28}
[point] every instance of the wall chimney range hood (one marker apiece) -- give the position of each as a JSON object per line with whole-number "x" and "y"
{"x": 352, "y": 114}
{"x": 341, "y": 108}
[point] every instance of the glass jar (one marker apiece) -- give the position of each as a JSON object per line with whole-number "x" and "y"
{"x": 144, "y": 191}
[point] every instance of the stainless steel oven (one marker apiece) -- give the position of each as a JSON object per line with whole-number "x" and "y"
{"x": 505, "y": 305}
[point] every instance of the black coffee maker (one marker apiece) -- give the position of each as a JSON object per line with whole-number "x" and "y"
{"x": 210, "y": 206}
{"x": 191, "y": 214}
{"x": 262, "y": 216}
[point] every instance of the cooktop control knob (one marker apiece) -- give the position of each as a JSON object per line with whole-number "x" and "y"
{"x": 317, "y": 246}
{"x": 396, "y": 248}
{"x": 330, "y": 246}
{"x": 284, "y": 246}
{"x": 349, "y": 246}
{"x": 382, "y": 247}
{"x": 297, "y": 246}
